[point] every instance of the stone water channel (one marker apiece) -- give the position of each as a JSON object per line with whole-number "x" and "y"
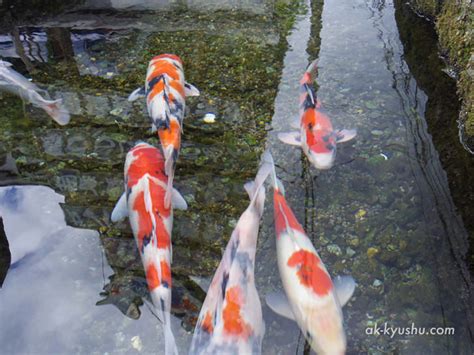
{"x": 388, "y": 212}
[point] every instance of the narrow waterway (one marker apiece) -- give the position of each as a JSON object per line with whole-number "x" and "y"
{"x": 384, "y": 213}
{"x": 390, "y": 212}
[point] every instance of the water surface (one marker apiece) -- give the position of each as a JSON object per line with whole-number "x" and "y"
{"x": 384, "y": 213}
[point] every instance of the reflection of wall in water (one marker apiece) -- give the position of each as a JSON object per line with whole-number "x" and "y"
{"x": 442, "y": 109}
{"x": 256, "y": 6}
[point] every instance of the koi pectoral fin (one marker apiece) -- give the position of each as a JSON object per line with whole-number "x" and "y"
{"x": 136, "y": 94}
{"x": 344, "y": 135}
{"x": 344, "y": 286}
{"x": 178, "y": 200}
{"x": 203, "y": 282}
{"x": 292, "y": 138}
{"x": 120, "y": 210}
{"x": 278, "y": 302}
{"x": 190, "y": 90}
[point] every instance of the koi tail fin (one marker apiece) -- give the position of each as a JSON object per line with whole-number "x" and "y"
{"x": 57, "y": 111}
{"x": 267, "y": 158}
{"x": 255, "y": 188}
{"x": 170, "y": 342}
{"x": 162, "y": 301}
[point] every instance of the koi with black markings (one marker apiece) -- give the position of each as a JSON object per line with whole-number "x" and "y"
{"x": 166, "y": 91}
{"x": 230, "y": 321}
{"x": 316, "y": 137}
{"x": 143, "y": 202}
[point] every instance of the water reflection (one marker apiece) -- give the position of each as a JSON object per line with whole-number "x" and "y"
{"x": 53, "y": 283}
{"x": 256, "y": 6}
{"x": 80, "y": 48}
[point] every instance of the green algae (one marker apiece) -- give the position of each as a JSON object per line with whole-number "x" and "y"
{"x": 455, "y": 26}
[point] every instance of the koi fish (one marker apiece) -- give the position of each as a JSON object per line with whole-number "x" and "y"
{"x": 15, "y": 83}
{"x": 312, "y": 299}
{"x": 165, "y": 91}
{"x": 152, "y": 223}
{"x": 230, "y": 321}
{"x": 317, "y": 137}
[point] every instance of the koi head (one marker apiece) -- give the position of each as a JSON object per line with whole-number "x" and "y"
{"x": 168, "y": 56}
{"x": 321, "y": 148}
{"x": 143, "y": 159}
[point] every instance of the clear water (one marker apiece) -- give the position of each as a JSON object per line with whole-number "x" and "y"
{"x": 384, "y": 213}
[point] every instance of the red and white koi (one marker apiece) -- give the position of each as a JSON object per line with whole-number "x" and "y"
{"x": 312, "y": 299}
{"x": 317, "y": 137}
{"x": 15, "y": 83}
{"x": 230, "y": 321}
{"x": 144, "y": 203}
{"x": 165, "y": 90}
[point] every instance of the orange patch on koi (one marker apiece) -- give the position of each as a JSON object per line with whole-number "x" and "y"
{"x": 310, "y": 272}
{"x": 207, "y": 323}
{"x": 165, "y": 273}
{"x": 172, "y": 135}
{"x": 145, "y": 158}
{"x": 158, "y": 194}
{"x": 178, "y": 87}
{"x": 165, "y": 67}
{"x": 233, "y": 322}
{"x": 145, "y": 225}
{"x": 152, "y": 277}
{"x": 170, "y": 56}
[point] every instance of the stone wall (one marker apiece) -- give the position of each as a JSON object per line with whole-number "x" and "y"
{"x": 454, "y": 23}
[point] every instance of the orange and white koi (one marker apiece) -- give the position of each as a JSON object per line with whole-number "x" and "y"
{"x": 312, "y": 299}
{"x": 230, "y": 321}
{"x": 317, "y": 137}
{"x": 15, "y": 83}
{"x": 165, "y": 90}
{"x": 144, "y": 203}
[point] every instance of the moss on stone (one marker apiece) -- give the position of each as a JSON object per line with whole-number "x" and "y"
{"x": 455, "y": 26}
